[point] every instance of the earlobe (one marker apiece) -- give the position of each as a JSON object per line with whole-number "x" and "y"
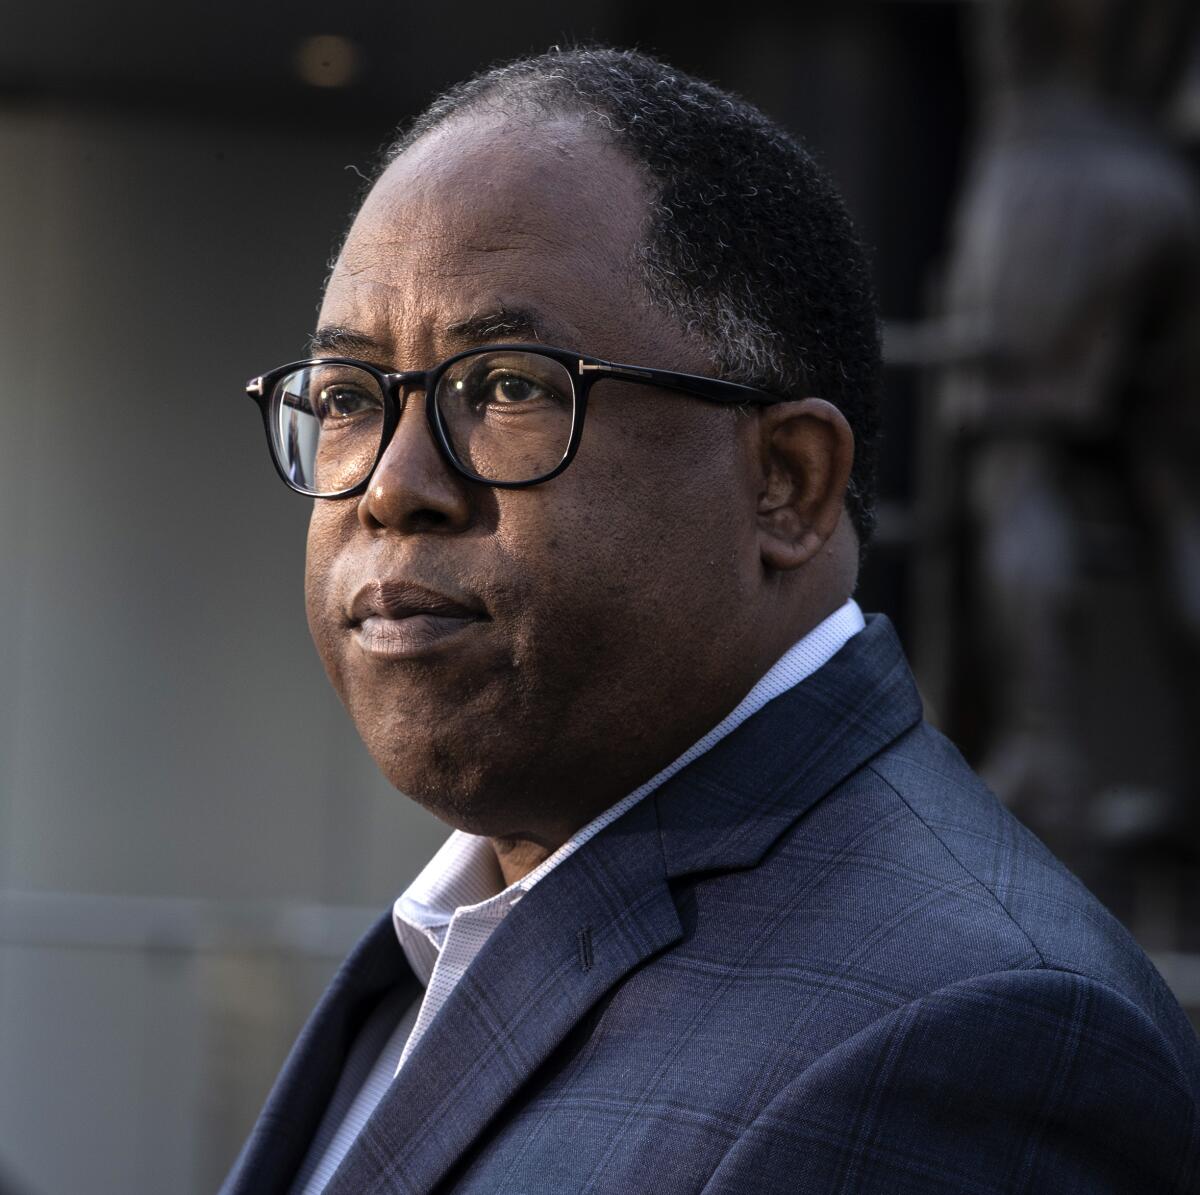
{"x": 807, "y": 450}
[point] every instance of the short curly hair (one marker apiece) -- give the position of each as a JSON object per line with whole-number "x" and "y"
{"x": 747, "y": 245}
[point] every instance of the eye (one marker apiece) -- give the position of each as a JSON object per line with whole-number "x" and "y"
{"x": 507, "y": 389}
{"x": 342, "y": 403}
{"x": 505, "y": 384}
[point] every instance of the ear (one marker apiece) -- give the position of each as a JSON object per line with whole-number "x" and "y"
{"x": 807, "y": 450}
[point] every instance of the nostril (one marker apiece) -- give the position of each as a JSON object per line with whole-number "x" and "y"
{"x": 428, "y": 520}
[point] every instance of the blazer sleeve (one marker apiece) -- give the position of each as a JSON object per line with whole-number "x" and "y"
{"x": 1027, "y": 1081}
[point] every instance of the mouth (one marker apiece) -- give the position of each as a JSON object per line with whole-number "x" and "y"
{"x": 398, "y": 619}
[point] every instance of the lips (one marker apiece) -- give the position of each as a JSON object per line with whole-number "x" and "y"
{"x": 397, "y": 599}
{"x": 396, "y": 619}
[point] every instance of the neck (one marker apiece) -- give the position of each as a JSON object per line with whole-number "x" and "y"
{"x": 519, "y": 856}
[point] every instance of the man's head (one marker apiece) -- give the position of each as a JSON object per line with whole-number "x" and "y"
{"x": 602, "y": 203}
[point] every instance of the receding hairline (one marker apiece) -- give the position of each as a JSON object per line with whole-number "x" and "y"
{"x": 527, "y": 105}
{"x": 545, "y": 98}
{"x": 530, "y": 114}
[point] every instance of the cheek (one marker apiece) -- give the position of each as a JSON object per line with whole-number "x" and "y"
{"x": 632, "y": 540}
{"x": 666, "y": 489}
{"x": 320, "y": 564}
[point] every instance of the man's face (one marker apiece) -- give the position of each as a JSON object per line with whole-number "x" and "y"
{"x": 608, "y": 608}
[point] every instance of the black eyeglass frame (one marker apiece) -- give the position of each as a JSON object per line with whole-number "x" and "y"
{"x": 584, "y": 372}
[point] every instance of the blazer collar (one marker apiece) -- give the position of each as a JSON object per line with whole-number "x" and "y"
{"x": 727, "y": 809}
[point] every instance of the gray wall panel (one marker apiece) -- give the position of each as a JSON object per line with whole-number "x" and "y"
{"x": 165, "y": 728}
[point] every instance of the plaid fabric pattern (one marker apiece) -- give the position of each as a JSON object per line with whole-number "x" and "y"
{"x": 821, "y": 958}
{"x": 449, "y": 911}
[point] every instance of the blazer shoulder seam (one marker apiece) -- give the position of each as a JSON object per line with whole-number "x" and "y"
{"x": 1041, "y": 958}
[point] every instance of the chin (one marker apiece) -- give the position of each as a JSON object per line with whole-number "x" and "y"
{"x": 462, "y": 759}
{"x": 461, "y": 792}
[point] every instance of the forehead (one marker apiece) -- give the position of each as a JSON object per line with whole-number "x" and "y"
{"x": 493, "y": 213}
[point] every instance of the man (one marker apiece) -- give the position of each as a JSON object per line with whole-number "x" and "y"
{"x": 589, "y": 424}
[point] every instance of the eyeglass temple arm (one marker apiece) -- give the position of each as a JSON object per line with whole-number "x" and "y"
{"x": 713, "y": 389}
{"x": 254, "y": 388}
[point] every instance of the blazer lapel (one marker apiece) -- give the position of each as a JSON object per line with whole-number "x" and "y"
{"x": 569, "y": 940}
{"x": 289, "y": 1119}
{"x": 727, "y": 809}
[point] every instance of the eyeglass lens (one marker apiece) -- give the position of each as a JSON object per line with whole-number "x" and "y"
{"x": 507, "y": 416}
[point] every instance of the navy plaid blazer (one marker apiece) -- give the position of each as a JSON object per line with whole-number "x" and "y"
{"x": 822, "y": 958}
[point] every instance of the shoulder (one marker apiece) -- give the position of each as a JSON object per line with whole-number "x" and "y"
{"x": 908, "y": 878}
{"x": 953, "y": 1010}
{"x": 1069, "y": 930}
{"x": 1032, "y": 1080}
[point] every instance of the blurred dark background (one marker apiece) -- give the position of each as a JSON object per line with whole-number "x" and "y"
{"x": 190, "y": 833}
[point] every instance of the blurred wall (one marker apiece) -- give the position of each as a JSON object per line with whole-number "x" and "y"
{"x": 166, "y": 732}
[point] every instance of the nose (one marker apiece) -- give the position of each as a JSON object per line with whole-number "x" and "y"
{"x": 414, "y": 488}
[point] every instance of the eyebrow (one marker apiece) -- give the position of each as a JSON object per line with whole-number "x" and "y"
{"x": 500, "y": 323}
{"x": 339, "y": 341}
{"x": 519, "y": 323}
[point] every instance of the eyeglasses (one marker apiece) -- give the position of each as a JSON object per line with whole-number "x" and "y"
{"x": 507, "y": 415}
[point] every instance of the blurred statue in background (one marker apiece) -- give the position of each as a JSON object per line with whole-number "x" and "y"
{"x": 1071, "y": 406}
